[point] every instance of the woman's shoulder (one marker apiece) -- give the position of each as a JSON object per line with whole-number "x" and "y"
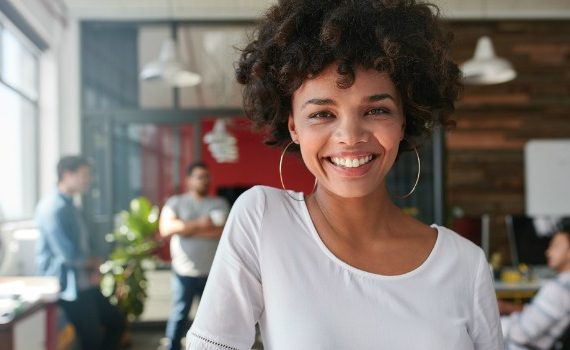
{"x": 455, "y": 238}
{"x": 267, "y": 207}
{"x": 261, "y": 195}
{"x": 456, "y": 245}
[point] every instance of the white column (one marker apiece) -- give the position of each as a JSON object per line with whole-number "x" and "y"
{"x": 69, "y": 90}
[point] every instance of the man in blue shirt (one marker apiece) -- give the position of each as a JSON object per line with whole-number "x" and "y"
{"x": 63, "y": 251}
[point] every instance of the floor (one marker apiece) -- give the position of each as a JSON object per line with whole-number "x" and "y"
{"x": 147, "y": 338}
{"x": 148, "y": 332}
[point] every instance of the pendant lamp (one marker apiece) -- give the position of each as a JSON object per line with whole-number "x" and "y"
{"x": 485, "y": 68}
{"x": 169, "y": 68}
{"x": 222, "y": 144}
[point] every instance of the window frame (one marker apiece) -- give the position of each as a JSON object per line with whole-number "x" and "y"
{"x": 7, "y": 25}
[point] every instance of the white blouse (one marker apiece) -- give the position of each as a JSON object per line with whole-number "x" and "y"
{"x": 272, "y": 268}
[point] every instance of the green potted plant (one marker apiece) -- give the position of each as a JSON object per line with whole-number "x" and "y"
{"x": 123, "y": 279}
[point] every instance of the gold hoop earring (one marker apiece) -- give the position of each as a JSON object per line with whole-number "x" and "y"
{"x": 417, "y": 177}
{"x": 281, "y": 173}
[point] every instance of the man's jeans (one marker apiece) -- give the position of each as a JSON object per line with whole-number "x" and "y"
{"x": 183, "y": 291}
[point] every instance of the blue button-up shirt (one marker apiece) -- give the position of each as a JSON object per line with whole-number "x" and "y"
{"x": 62, "y": 248}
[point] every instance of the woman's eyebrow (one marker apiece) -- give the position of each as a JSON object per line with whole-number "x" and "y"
{"x": 379, "y": 97}
{"x": 328, "y": 101}
{"x": 319, "y": 101}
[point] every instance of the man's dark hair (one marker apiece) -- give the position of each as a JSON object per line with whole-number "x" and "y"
{"x": 297, "y": 39}
{"x": 70, "y": 163}
{"x": 195, "y": 165}
{"x": 564, "y": 227}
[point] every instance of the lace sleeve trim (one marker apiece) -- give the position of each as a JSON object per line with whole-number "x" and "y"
{"x": 212, "y": 342}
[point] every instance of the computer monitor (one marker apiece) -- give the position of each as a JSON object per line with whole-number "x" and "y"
{"x": 231, "y": 194}
{"x": 529, "y": 238}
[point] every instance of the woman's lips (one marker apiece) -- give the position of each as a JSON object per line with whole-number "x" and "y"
{"x": 353, "y": 165}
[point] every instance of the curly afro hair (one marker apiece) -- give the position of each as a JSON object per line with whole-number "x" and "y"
{"x": 298, "y": 39}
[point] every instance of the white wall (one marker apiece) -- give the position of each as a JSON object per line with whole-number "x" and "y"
{"x": 249, "y": 9}
{"x": 547, "y": 169}
{"x": 69, "y": 90}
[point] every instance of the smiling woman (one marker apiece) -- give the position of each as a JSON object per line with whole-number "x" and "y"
{"x": 351, "y": 85}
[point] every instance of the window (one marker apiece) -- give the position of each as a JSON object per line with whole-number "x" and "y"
{"x": 19, "y": 67}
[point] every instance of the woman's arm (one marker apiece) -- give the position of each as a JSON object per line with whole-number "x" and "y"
{"x": 233, "y": 301}
{"x": 486, "y": 332}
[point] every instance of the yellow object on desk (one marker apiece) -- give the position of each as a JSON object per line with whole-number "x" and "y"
{"x": 520, "y": 291}
{"x": 511, "y": 276}
{"x": 515, "y": 284}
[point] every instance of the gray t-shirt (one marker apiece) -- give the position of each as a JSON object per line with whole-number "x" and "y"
{"x": 193, "y": 256}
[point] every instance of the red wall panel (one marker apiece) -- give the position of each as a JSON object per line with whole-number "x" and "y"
{"x": 258, "y": 163}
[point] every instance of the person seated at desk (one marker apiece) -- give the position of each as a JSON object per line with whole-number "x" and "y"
{"x": 538, "y": 324}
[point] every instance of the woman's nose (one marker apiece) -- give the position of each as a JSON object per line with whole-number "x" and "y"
{"x": 350, "y": 131}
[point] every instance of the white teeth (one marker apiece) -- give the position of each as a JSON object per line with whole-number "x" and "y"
{"x": 351, "y": 162}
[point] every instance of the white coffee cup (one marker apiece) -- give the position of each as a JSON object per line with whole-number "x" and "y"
{"x": 218, "y": 216}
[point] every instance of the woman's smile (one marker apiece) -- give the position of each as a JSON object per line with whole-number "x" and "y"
{"x": 349, "y": 164}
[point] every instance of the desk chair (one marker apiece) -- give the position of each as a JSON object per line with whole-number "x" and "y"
{"x": 563, "y": 342}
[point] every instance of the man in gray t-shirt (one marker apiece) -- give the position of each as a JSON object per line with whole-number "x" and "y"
{"x": 195, "y": 222}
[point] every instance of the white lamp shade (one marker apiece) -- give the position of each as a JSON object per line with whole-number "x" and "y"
{"x": 184, "y": 78}
{"x": 168, "y": 68}
{"x": 485, "y": 68}
{"x": 221, "y": 143}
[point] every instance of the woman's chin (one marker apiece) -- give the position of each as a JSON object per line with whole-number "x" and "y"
{"x": 352, "y": 190}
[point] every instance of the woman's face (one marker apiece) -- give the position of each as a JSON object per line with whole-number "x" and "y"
{"x": 349, "y": 138}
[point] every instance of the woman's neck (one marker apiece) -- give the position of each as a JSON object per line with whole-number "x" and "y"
{"x": 366, "y": 218}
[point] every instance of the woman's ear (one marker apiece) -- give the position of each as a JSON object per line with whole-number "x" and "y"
{"x": 292, "y": 130}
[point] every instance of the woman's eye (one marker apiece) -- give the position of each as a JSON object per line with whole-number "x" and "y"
{"x": 321, "y": 115}
{"x": 377, "y": 111}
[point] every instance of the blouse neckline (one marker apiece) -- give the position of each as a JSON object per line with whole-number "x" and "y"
{"x": 313, "y": 230}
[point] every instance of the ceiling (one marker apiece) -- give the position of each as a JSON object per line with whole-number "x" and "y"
{"x": 250, "y": 9}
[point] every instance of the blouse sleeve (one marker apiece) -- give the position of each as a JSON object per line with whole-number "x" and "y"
{"x": 232, "y": 302}
{"x": 486, "y": 330}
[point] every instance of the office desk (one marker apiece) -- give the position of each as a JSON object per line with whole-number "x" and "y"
{"x": 28, "y": 313}
{"x": 518, "y": 290}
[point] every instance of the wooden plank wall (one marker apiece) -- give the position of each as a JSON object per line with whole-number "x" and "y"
{"x": 485, "y": 171}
